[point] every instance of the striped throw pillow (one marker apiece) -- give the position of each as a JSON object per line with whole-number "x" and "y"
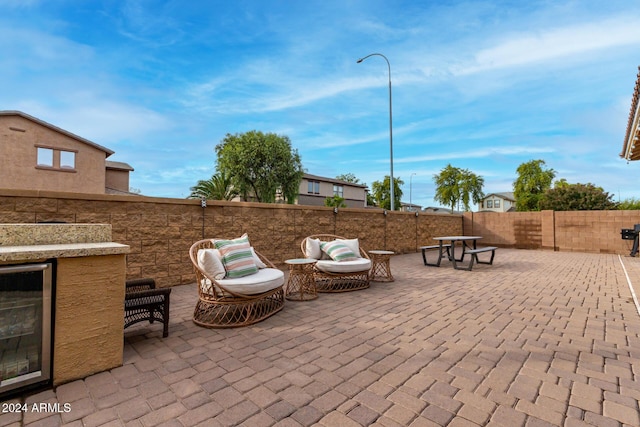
{"x": 338, "y": 251}
{"x": 236, "y": 256}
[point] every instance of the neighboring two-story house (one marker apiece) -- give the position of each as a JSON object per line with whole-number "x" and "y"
{"x": 315, "y": 189}
{"x": 36, "y": 155}
{"x": 498, "y": 202}
{"x": 410, "y": 207}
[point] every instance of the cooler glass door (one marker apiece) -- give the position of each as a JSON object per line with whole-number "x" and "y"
{"x": 25, "y": 325}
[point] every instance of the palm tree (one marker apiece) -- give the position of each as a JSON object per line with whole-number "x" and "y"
{"x": 218, "y": 187}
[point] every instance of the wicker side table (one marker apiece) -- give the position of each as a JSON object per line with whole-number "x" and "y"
{"x": 380, "y": 266}
{"x": 301, "y": 285}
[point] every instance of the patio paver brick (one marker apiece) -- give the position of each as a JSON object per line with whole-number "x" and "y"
{"x": 540, "y": 338}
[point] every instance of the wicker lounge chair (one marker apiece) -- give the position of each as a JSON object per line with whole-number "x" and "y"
{"x": 226, "y": 303}
{"x": 337, "y": 276}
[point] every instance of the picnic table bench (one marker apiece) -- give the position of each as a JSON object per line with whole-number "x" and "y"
{"x": 424, "y": 249}
{"x": 468, "y": 244}
{"x": 474, "y": 256}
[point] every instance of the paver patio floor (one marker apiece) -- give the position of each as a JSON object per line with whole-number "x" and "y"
{"x": 540, "y": 338}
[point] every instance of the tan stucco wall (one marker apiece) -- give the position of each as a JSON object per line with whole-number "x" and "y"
{"x": 117, "y": 179}
{"x": 89, "y": 316}
{"x": 19, "y": 155}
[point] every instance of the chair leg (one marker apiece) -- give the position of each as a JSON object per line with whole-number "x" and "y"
{"x": 165, "y": 331}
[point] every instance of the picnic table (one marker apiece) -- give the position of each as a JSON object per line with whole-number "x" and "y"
{"x": 448, "y": 244}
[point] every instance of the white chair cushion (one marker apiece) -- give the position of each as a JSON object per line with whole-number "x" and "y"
{"x": 257, "y": 259}
{"x": 209, "y": 260}
{"x": 352, "y": 244}
{"x": 354, "y": 266}
{"x": 312, "y": 249}
{"x": 264, "y": 280}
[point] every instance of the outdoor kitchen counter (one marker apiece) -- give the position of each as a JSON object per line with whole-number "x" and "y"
{"x": 89, "y": 283}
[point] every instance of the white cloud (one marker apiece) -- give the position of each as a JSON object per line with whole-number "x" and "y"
{"x": 485, "y": 152}
{"x": 231, "y": 95}
{"x": 555, "y": 43}
{"x": 102, "y": 122}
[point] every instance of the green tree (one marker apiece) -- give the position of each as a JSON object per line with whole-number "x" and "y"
{"x": 631, "y": 204}
{"x": 576, "y": 197}
{"x": 218, "y": 187}
{"x": 381, "y": 193}
{"x": 529, "y": 187}
{"x": 348, "y": 177}
{"x": 455, "y": 185}
{"x": 371, "y": 201}
{"x": 470, "y": 189}
{"x": 335, "y": 202}
{"x": 261, "y": 165}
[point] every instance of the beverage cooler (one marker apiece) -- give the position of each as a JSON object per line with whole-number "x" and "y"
{"x": 25, "y": 326}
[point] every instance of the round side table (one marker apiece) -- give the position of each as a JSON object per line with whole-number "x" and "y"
{"x": 301, "y": 285}
{"x": 380, "y": 266}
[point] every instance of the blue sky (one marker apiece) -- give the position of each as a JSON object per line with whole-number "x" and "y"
{"x": 481, "y": 85}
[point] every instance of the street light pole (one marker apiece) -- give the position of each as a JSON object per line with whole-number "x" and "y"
{"x": 391, "y": 183}
{"x": 411, "y": 191}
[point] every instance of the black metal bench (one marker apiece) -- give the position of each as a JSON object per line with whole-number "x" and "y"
{"x": 474, "y": 256}
{"x": 144, "y": 302}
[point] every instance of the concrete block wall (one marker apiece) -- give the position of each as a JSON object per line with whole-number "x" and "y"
{"x": 572, "y": 231}
{"x": 160, "y": 231}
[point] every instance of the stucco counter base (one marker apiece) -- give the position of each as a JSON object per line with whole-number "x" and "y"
{"x": 89, "y": 304}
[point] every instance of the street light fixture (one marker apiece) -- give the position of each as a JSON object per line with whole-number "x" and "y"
{"x": 391, "y": 182}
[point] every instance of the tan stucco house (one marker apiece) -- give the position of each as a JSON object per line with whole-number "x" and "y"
{"x": 498, "y": 202}
{"x": 36, "y": 155}
{"x": 410, "y": 207}
{"x": 315, "y": 189}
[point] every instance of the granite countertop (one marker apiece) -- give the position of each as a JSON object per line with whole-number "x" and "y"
{"x": 68, "y": 250}
{"x": 48, "y": 234}
{"x": 28, "y": 242}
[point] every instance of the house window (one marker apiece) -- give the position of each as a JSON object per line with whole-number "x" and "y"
{"x": 496, "y": 204}
{"x": 338, "y": 190}
{"x": 489, "y": 204}
{"x": 56, "y": 159}
{"x": 314, "y": 187}
{"x": 45, "y": 157}
{"x": 67, "y": 160}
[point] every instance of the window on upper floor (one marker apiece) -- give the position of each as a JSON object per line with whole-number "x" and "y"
{"x": 67, "y": 160}
{"x": 489, "y": 204}
{"x": 45, "y": 157}
{"x": 496, "y": 203}
{"x": 313, "y": 187}
{"x": 55, "y": 158}
{"x": 338, "y": 190}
